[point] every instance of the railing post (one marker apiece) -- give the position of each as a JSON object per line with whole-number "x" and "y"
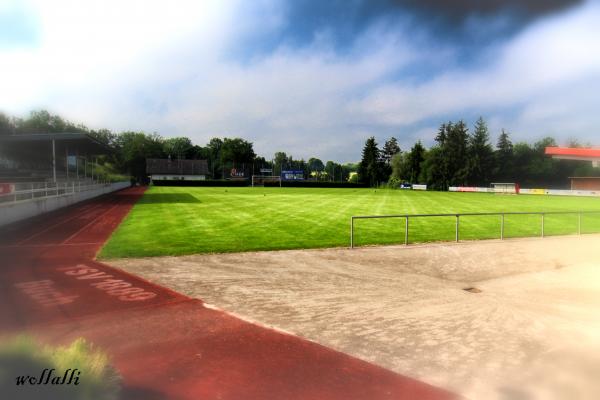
{"x": 45, "y": 189}
{"x": 406, "y": 231}
{"x": 542, "y": 224}
{"x": 351, "y": 232}
{"x": 579, "y": 223}
{"x": 502, "y": 226}
{"x": 457, "y": 225}
{"x": 32, "y": 192}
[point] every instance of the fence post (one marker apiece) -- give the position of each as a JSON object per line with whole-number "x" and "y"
{"x": 502, "y": 226}
{"x": 406, "y": 231}
{"x": 579, "y": 223}
{"x": 542, "y": 224}
{"x": 457, "y": 224}
{"x": 32, "y": 192}
{"x": 351, "y": 232}
{"x": 45, "y": 189}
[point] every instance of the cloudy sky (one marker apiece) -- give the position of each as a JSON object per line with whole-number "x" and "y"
{"x": 312, "y": 78}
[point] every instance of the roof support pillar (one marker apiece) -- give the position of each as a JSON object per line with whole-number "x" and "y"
{"x": 53, "y": 160}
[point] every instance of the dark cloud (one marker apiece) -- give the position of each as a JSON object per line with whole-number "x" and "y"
{"x": 467, "y": 25}
{"x": 347, "y": 17}
{"x": 526, "y": 9}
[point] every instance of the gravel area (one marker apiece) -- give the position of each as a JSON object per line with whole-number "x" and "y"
{"x": 528, "y": 329}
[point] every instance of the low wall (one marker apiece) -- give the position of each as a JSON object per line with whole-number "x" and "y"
{"x": 552, "y": 192}
{"x": 20, "y": 210}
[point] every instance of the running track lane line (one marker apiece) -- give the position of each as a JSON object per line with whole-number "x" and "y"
{"x": 119, "y": 203}
{"x": 79, "y": 214}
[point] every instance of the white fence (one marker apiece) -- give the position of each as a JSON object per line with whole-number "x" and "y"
{"x": 457, "y": 216}
{"x": 23, "y": 191}
{"x": 46, "y": 199}
{"x": 552, "y": 192}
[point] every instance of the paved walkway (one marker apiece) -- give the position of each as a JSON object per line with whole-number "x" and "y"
{"x": 165, "y": 344}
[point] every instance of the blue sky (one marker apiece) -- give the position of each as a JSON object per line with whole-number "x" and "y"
{"x": 311, "y": 78}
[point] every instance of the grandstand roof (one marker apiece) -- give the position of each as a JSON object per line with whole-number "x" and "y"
{"x": 82, "y": 141}
{"x": 572, "y": 153}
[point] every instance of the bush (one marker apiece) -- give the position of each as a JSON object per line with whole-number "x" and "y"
{"x": 23, "y": 356}
{"x": 317, "y": 184}
{"x": 208, "y": 182}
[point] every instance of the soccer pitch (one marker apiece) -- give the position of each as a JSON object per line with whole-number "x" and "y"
{"x": 188, "y": 220}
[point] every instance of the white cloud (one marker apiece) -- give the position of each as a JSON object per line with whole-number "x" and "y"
{"x": 165, "y": 67}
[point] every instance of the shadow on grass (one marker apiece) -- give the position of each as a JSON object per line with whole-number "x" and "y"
{"x": 156, "y": 198}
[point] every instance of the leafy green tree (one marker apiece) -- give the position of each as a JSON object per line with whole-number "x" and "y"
{"x": 238, "y": 151}
{"x": 280, "y": 160}
{"x": 333, "y": 170}
{"x": 315, "y": 165}
{"x": 134, "y": 148}
{"x": 7, "y": 126}
{"x": 433, "y": 171}
{"x": 371, "y": 166}
{"x": 456, "y": 154}
{"x": 105, "y": 136}
{"x": 390, "y": 148}
{"x": 480, "y": 155}
{"x": 416, "y": 156}
{"x": 215, "y": 162}
{"x": 41, "y": 121}
{"x": 450, "y": 166}
{"x": 177, "y": 148}
{"x": 400, "y": 167}
{"x": 504, "y": 168}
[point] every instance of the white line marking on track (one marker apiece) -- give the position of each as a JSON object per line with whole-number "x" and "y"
{"x": 11, "y": 246}
{"x": 79, "y": 214}
{"x": 89, "y": 223}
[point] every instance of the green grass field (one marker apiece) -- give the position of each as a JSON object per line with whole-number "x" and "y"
{"x": 187, "y": 220}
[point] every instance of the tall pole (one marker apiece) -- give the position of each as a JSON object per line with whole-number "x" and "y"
{"x": 53, "y": 161}
{"x": 67, "y": 160}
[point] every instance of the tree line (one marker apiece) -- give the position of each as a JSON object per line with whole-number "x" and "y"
{"x": 459, "y": 157}
{"x": 131, "y": 149}
{"x": 463, "y": 158}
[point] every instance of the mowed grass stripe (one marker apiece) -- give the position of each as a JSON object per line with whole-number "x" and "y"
{"x": 183, "y": 220}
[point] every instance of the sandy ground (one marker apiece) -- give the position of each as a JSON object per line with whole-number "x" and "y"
{"x": 533, "y": 332}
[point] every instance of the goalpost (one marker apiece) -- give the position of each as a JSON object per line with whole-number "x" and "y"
{"x": 505, "y": 188}
{"x": 260, "y": 180}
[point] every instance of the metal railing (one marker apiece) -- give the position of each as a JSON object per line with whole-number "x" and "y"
{"x": 38, "y": 190}
{"x": 457, "y": 221}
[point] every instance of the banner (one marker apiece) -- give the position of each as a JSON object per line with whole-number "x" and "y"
{"x": 292, "y": 175}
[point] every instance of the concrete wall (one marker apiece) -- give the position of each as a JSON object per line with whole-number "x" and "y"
{"x": 17, "y": 211}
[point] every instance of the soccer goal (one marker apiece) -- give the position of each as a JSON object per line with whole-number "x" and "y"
{"x": 505, "y": 188}
{"x": 260, "y": 180}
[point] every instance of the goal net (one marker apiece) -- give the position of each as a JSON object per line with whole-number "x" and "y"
{"x": 261, "y": 180}
{"x": 505, "y": 188}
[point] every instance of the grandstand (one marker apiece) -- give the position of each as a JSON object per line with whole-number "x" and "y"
{"x": 45, "y": 171}
{"x": 49, "y": 157}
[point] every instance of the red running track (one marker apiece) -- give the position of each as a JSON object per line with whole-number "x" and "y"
{"x": 165, "y": 344}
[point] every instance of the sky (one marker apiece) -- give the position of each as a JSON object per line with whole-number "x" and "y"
{"x": 311, "y": 78}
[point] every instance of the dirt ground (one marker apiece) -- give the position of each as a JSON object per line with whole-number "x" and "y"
{"x": 532, "y": 332}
